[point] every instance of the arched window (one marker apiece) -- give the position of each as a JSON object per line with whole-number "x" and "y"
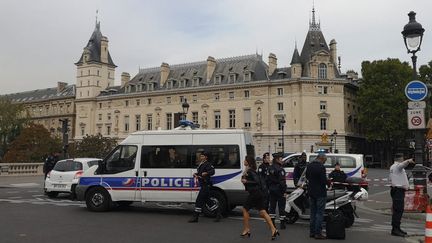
{"x": 322, "y": 71}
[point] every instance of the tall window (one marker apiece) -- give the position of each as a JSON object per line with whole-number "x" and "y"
{"x": 82, "y": 131}
{"x": 138, "y": 122}
{"x": 231, "y": 95}
{"x": 323, "y": 123}
{"x": 322, "y": 89}
{"x": 126, "y": 123}
{"x": 168, "y": 100}
{"x": 194, "y": 98}
{"x": 182, "y": 99}
{"x": 169, "y": 121}
{"x": 109, "y": 116}
{"x": 247, "y": 117}
{"x": 323, "y": 106}
{"x": 232, "y": 117}
{"x": 280, "y": 91}
{"x": 127, "y": 103}
{"x": 108, "y": 130}
{"x": 280, "y": 125}
{"x": 149, "y": 101}
{"x": 246, "y": 94}
{"x": 195, "y": 117}
{"x": 217, "y": 119}
{"x": 280, "y": 106}
{"x": 216, "y": 96}
{"x": 100, "y": 117}
{"x": 322, "y": 71}
{"x": 138, "y": 102}
{"x": 149, "y": 122}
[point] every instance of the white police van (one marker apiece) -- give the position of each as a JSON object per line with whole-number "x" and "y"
{"x": 158, "y": 166}
{"x": 351, "y": 164}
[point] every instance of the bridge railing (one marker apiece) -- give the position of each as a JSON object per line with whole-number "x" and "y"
{"x": 21, "y": 169}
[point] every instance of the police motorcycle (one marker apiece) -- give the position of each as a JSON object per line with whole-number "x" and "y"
{"x": 343, "y": 200}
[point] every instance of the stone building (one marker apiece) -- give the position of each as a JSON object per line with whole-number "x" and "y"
{"x": 311, "y": 95}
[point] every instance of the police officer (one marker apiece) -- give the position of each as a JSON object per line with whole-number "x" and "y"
{"x": 277, "y": 189}
{"x": 204, "y": 171}
{"x": 49, "y": 163}
{"x": 299, "y": 168}
{"x": 399, "y": 184}
{"x": 263, "y": 172}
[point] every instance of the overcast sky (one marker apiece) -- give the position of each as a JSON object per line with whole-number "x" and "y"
{"x": 41, "y": 40}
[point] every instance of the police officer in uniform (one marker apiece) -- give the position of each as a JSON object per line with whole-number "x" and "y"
{"x": 277, "y": 189}
{"x": 263, "y": 172}
{"x": 399, "y": 184}
{"x": 204, "y": 171}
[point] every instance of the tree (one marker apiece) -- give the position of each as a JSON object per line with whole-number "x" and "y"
{"x": 12, "y": 119}
{"x": 383, "y": 103}
{"x": 92, "y": 146}
{"x": 426, "y": 73}
{"x": 32, "y": 145}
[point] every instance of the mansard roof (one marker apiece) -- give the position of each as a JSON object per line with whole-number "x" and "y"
{"x": 40, "y": 95}
{"x": 94, "y": 47}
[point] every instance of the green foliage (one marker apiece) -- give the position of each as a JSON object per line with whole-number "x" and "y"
{"x": 426, "y": 73}
{"x": 382, "y": 100}
{"x": 92, "y": 146}
{"x": 32, "y": 145}
{"x": 12, "y": 119}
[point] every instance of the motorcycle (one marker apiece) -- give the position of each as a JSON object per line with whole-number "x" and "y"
{"x": 343, "y": 200}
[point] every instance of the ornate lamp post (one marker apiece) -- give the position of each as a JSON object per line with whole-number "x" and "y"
{"x": 334, "y": 138}
{"x": 413, "y": 37}
{"x": 282, "y": 122}
{"x": 185, "y": 107}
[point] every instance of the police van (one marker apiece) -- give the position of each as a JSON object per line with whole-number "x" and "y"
{"x": 158, "y": 166}
{"x": 351, "y": 164}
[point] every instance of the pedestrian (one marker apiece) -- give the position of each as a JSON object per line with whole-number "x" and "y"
{"x": 263, "y": 173}
{"x": 255, "y": 198}
{"x": 299, "y": 168}
{"x": 316, "y": 175}
{"x": 49, "y": 163}
{"x": 399, "y": 184}
{"x": 277, "y": 189}
{"x": 338, "y": 176}
{"x": 204, "y": 171}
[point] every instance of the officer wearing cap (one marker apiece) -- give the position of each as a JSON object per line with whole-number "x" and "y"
{"x": 204, "y": 171}
{"x": 277, "y": 189}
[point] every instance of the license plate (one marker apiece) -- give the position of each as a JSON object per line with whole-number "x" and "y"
{"x": 59, "y": 186}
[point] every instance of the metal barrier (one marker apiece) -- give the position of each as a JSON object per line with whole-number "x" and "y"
{"x": 21, "y": 169}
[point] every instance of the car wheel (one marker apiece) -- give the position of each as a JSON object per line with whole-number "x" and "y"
{"x": 52, "y": 194}
{"x": 215, "y": 202}
{"x": 98, "y": 199}
{"x": 348, "y": 213}
{"x": 291, "y": 217}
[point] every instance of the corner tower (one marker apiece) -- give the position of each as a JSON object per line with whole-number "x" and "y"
{"x": 95, "y": 68}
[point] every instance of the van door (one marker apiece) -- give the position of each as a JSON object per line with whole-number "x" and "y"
{"x": 119, "y": 176}
{"x": 166, "y": 173}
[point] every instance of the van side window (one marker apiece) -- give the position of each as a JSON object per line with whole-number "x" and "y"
{"x": 121, "y": 159}
{"x": 165, "y": 157}
{"x": 347, "y": 162}
{"x": 221, "y": 156}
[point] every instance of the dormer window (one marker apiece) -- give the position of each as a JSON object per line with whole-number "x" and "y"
{"x": 170, "y": 84}
{"x": 182, "y": 83}
{"x": 196, "y": 81}
{"x": 232, "y": 78}
{"x": 322, "y": 71}
{"x": 150, "y": 86}
{"x": 218, "y": 79}
{"x": 139, "y": 87}
{"x": 247, "y": 76}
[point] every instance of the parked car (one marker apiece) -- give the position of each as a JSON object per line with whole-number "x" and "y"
{"x": 65, "y": 174}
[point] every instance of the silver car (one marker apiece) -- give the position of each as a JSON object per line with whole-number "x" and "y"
{"x": 65, "y": 175}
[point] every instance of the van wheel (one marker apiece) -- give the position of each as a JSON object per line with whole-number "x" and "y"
{"x": 348, "y": 213}
{"x": 98, "y": 199}
{"x": 52, "y": 194}
{"x": 215, "y": 202}
{"x": 291, "y": 217}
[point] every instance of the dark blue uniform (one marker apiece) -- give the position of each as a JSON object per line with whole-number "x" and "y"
{"x": 204, "y": 192}
{"x": 277, "y": 189}
{"x": 263, "y": 173}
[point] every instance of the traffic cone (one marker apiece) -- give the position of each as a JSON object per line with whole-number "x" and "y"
{"x": 428, "y": 228}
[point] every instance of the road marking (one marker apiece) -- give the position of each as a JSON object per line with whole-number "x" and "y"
{"x": 25, "y": 184}
{"x": 14, "y": 197}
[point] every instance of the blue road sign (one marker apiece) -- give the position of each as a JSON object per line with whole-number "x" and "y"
{"x": 416, "y": 90}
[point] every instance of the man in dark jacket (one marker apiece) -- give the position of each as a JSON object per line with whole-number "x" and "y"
{"x": 49, "y": 163}
{"x": 316, "y": 175}
{"x": 204, "y": 171}
{"x": 338, "y": 176}
{"x": 277, "y": 189}
{"x": 263, "y": 172}
{"x": 299, "y": 168}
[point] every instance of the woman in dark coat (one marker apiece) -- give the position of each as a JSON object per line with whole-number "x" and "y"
{"x": 255, "y": 198}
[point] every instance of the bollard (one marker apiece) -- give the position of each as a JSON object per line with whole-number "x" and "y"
{"x": 428, "y": 228}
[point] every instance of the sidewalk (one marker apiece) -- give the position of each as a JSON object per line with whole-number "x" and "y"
{"x": 9, "y": 181}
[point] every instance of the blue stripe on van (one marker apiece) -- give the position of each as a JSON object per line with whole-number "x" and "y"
{"x": 353, "y": 172}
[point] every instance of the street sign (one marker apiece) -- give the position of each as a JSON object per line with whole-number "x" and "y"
{"x": 416, "y": 104}
{"x": 416, "y": 119}
{"x": 416, "y": 90}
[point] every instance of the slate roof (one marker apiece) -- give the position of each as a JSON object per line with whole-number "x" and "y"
{"x": 40, "y": 95}
{"x": 94, "y": 47}
{"x": 296, "y": 57}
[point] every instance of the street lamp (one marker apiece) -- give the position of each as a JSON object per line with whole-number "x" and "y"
{"x": 413, "y": 37}
{"x": 282, "y": 122}
{"x": 334, "y": 138}
{"x": 185, "y": 107}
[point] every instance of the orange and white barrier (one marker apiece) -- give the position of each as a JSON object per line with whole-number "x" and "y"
{"x": 428, "y": 228}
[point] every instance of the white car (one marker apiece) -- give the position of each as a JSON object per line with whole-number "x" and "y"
{"x": 65, "y": 175}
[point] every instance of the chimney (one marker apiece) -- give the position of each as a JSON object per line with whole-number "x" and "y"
{"x": 333, "y": 52}
{"x": 165, "y": 70}
{"x": 61, "y": 86}
{"x": 104, "y": 49}
{"x": 272, "y": 63}
{"x": 125, "y": 78}
{"x": 211, "y": 66}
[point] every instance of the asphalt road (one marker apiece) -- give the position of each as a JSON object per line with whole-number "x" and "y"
{"x": 29, "y": 216}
